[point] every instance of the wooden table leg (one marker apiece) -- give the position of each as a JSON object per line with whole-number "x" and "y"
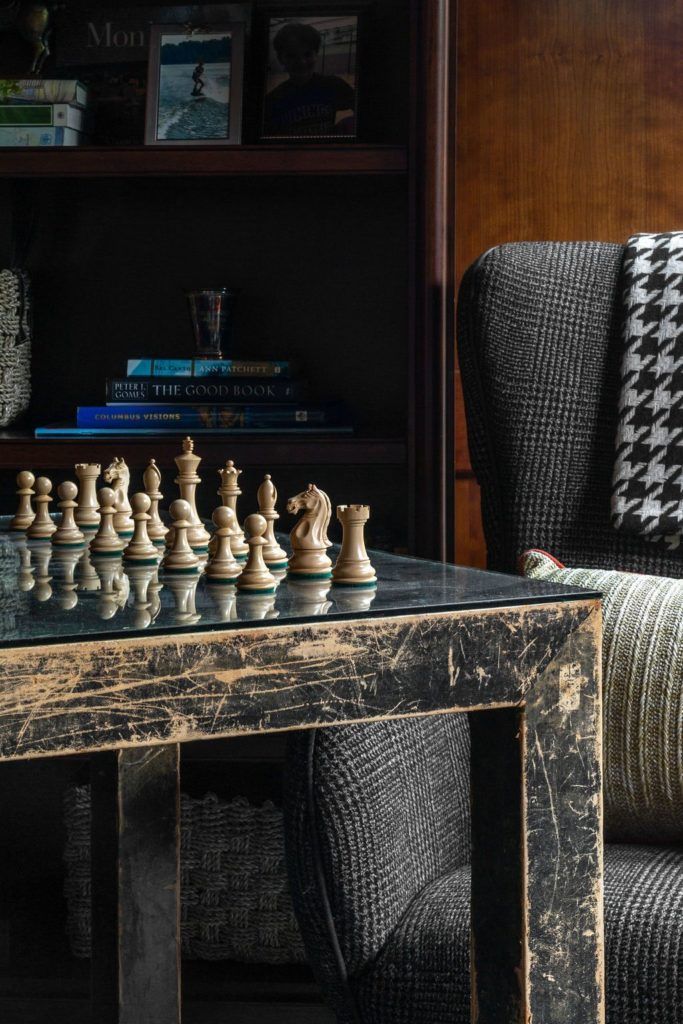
{"x": 143, "y": 929}
{"x": 537, "y": 943}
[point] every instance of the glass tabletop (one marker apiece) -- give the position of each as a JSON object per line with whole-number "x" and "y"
{"x": 53, "y": 596}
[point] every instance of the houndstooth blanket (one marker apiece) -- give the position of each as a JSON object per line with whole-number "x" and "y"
{"x": 647, "y": 491}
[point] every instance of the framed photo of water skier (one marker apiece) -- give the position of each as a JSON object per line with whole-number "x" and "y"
{"x": 194, "y": 88}
{"x": 311, "y": 76}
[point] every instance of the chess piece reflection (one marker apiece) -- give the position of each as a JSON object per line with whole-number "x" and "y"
{"x": 86, "y": 574}
{"x": 223, "y": 596}
{"x": 117, "y": 475}
{"x": 87, "y": 517}
{"x": 151, "y": 479}
{"x": 229, "y": 492}
{"x": 141, "y": 578}
{"x": 140, "y": 550}
{"x": 108, "y": 602}
{"x": 309, "y": 540}
{"x": 353, "y": 567}
{"x": 256, "y": 576}
{"x": 67, "y": 534}
{"x": 273, "y": 555}
{"x": 184, "y": 589}
{"x": 42, "y": 553}
{"x": 64, "y": 564}
{"x": 25, "y": 514}
{"x": 42, "y": 526}
{"x": 106, "y": 543}
{"x": 309, "y": 597}
{"x": 222, "y": 566}
{"x": 252, "y": 605}
{"x": 187, "y": 481}
{"x": 25, "y": 577}
{"x": 180, "y": 558}
{"x": 354, "y": 599}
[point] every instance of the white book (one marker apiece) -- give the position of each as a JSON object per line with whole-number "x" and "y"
{"x": 42, "y": 115}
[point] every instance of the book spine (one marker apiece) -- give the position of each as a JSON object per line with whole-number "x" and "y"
{"x": 18, "y": 136}
{"x": 49, "y": 90}
{"x": 207, "y": 368}
{"x": 130, "y": 390}
{"x": 42, "y": 115}
{"x": 302, "y": 429}
{"x": 131, "y": 417}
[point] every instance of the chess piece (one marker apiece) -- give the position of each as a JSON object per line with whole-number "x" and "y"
{"x": 42, "y": 526}
{"x": 184, "y": 589}
{"x": 87, "y": 517}
{"x": 187, "y": 481}
{"x": 117, "y": 475}
{"x": 141, "y": 577}
{"x": 42, "y": 553}
{"x": 222, "y": 566}
{"x": 25, "y": 514}
{"x": 273, "y": 555}
{"x": 107, "y": 599}
{"x": 256, "y": 577}
{"x": 180, "y": 558}
{"x": 64, "y": 561}
{"x": 67, "y": 534}
{"x": 151, "y": 479}
{"x": 86, "y": 575}
{"x": 354, "y": 599}
{"x": 106, "y": 542}
{"x": 309, "y": 597}
{"x": 353, "y": 567}
{"x": 309, "y": 540}
{"x": 252, "y": 605}
{"x": 223, "y": 596}
{"x": 121, "y": 585}
{"x": 140, "y": 549}
{"x": 25, "y": 577}
{"x": 229, "y": 492}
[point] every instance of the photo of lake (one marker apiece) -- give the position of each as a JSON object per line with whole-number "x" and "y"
{"x": 194, "y": 87}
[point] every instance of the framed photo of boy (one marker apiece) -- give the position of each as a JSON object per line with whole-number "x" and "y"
{"x": 194, "y": 87}
{"x": 311, "y": 77}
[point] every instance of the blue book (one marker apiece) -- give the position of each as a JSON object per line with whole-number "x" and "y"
{"x": 59, "y": 430}
{"x": 191, "y": 417}
{"x": 208, "y": 368}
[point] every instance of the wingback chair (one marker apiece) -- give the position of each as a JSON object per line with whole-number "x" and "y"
{"x": 377, "y": 816}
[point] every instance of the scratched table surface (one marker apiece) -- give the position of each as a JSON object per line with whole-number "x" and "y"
{"x": 48, "y": 595}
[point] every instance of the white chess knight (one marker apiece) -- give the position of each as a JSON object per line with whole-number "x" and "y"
{"x": 309, "y": 540}
{"x": 117, "y": 475}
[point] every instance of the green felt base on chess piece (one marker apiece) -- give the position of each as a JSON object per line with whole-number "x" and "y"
{"x": 310, "y": 575}
{"x": 223, "y": 581}
{"x": 124, "y": 533}
{"x": 277, "y": 565}
{"x": 88, "y": 527}
{"x": 159, "y": 542}
{"x": 77, "y": 544}
{"x": 141, "y": 561}
{"x": 105, "y": 554}
{"x": 200, "y": 549}
{"x": 193, "y": 570}
{"x": 356, "y": 586}
{"x": 255, "y": 592}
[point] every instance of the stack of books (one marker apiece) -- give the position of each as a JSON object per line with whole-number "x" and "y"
{"x": 43, "y": 112}
{"x": 203, "y": 396}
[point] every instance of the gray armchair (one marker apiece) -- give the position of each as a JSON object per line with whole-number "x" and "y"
{"x": 377, "y": 816}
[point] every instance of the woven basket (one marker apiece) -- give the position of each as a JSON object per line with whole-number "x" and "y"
{"x": 15, "y": 345}
{"x": 234, "y": 898}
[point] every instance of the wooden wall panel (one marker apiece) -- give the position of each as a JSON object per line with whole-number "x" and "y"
{"x": 568, "y": 126}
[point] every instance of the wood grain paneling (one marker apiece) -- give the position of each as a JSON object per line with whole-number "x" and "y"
{"x": 568, "y": 124}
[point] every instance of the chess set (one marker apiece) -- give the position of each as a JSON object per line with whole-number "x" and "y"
{"x": 121, "y": 542}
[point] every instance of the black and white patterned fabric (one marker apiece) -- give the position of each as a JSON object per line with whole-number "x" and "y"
{"x": 647, "y": 494}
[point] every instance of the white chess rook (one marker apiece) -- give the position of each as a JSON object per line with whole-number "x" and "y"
{"x": 229, "y": 492}
{"x": 256, "y": 576}
{"x": 42, "y": 526}
{"x": 87, "y": 517}
{"x": 273, "y": 555}
{"x": 67, "y": 534}
{"x": 187, "y": 481}
{"x": 353, "y": 567}
{"x": 25, "y": 514}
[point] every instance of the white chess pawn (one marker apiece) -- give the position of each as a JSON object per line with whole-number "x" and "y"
{"x": 87, "y": 517}
{"x": 140, "y": 549}
{"x": 106, "y": 541}
{"x": 256, "y": 576}
{"x": 229, "y": 492}
{"x": 187, "y": 481}
{"x": 151, "y": 479}
{"x": 353, "y": 567}
{"x": 180, "y": 557}
{"x": 309, "y": 540}
{"x": 67, "y": 534}
{"x": 42, "y": 526}
{"x": 222, "y": 566}
{"x": 273, "y": 555}
{"x": 25, "y": 514}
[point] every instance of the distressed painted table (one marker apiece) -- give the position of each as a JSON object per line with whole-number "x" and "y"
{"x": 95, "y": 661}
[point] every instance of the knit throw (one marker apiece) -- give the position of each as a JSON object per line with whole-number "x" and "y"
{"x": 647, "y": 489}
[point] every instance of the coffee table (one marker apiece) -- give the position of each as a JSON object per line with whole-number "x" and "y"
{"x": 96, "y": 660}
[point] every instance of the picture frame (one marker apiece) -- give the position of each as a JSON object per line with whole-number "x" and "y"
{"x": 309, "y": 72}
{"x": 195, "y": 85}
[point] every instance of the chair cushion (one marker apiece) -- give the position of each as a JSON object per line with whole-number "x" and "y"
{"x": 422, "y": 974}
{"x": 642, "y": 694}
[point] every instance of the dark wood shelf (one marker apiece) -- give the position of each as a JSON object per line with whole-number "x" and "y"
{"x": 190, "y": 161}
{"x": 20, "y": 450}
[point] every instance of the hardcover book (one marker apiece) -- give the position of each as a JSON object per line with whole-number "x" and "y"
{"x": 58, "y": 430}
{"x": 208, "y": 368}
{"x": 21, "y": 135}
{"x": 47, "y": 90}
{"x": 214, "y": 416}
{"x": 130, "y": 390}
{"x": 43, "y": 115}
